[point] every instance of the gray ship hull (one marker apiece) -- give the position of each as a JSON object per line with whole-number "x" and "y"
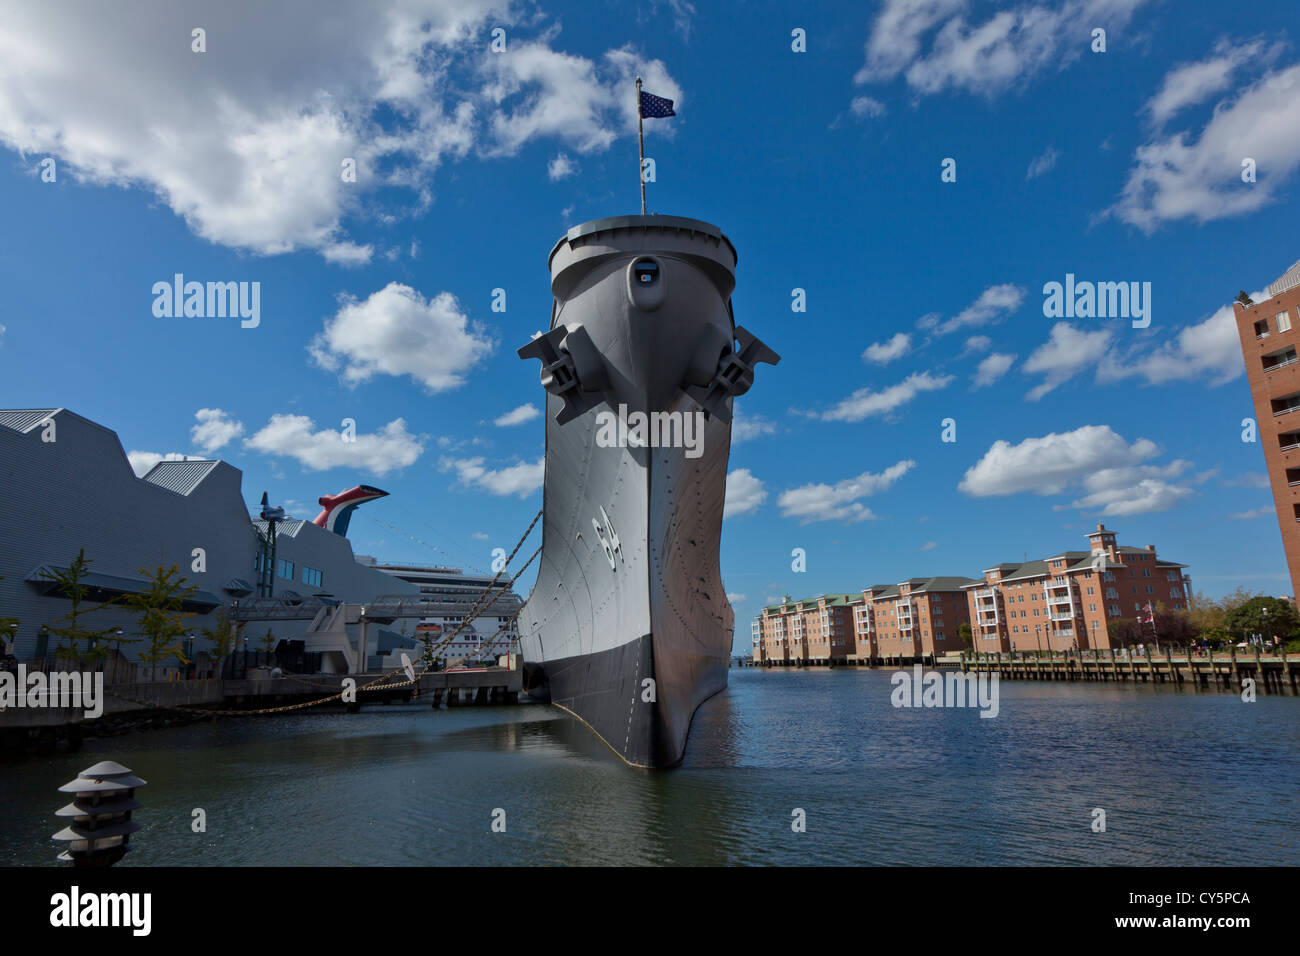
{"x": 628, "y": 626}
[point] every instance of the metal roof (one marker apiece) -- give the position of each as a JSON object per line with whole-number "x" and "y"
{"x": 25, "y": 419}
{"x": 181, "y": 477}
{"x": 289, "y": 526}
{"x": 1288, "y": 280}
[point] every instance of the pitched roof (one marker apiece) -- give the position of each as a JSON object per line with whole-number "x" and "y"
{"x": 25, "y": 419}
{"x": 181, "y": 477}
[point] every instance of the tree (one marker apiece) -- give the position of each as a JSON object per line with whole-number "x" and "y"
{"x": 1268, "y": 617}
{"x": 1173, "y": 627}
{"x": 1245, "y": 299}
{"x": 161, "y": 621}
{"x": 268, "y": 642}
{"x": 964, "y": 632}
{"x": 69, "y": 629}
{"x": 1123, "y": 631}
{"x": 224, "y": 635}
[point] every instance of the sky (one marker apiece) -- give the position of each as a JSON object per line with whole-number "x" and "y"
{"x": 914, "y": 172}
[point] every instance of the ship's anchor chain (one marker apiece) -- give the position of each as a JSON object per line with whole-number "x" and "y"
{"x": 384, "y": 680}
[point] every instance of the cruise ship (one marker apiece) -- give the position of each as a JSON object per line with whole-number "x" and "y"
{"x": 452, "y": 594}
{"x": 628, "y": 626}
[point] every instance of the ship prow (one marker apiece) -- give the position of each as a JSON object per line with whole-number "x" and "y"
{"x": 628, "y": 626}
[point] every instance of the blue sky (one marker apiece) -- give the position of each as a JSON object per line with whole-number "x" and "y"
{"x": 924, "y": 298}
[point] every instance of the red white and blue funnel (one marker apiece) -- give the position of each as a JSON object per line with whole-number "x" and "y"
{"x": 338, "y": 508}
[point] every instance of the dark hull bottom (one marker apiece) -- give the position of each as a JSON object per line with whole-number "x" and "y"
{"x": 605, "y": 691}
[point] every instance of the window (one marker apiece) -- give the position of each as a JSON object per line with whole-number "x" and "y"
{"x": 312, "y": 577}
{"x": 1261, "y": 329}
{"x": 1146, "y": 572}
{"x": 286, "y": 569}
{"x": 1114, "y": 610}
{"x": 1283, "y": 320}
{"x": 1150, "y": 589}
{"x": 1090, "y": 591}
{"x": 1278, "y": 359}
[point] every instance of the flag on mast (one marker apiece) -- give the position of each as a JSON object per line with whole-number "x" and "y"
{"x": 648, "y": 106}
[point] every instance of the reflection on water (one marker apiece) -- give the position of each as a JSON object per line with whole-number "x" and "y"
{"x": 404, "y": 785}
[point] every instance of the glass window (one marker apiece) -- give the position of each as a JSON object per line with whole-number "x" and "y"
{"x": 1283, "y": 321}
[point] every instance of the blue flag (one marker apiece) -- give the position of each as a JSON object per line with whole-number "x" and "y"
{"x": 655, "y": 107}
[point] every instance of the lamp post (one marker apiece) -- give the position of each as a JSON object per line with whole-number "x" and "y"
{"x": 1038, "y": 638}
{"x": 189, "y": 658}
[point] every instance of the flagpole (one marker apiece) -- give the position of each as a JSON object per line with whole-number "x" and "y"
{"x": 640, "y": 140}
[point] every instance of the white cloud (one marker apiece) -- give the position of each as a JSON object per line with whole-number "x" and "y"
{"x": 885, "y": 352}
{"x": 246, "y": 141}
{"x": 976, "y": 343}
{"x": 1201, "y": 179}
{"x": 520, "y": 479}
{"x": 215, "y": 430}
{"x": 480, "y": 536}
{"x": 3, "y": 330}
{"x": 929, "y": 546}
{"x": 864, "y": 402}
{"x": 1066, "y": 352}
{"x": 348, "y": 253}
{"x": 1133, "y": 490}
{"x": 1052, "y": 463}
{"x": 744, "y": 493}
{"x": 293, "y": 436}
{"x": 1192, "y": 83}
{"x": 867, "y": 106}
{"x": 1252, "y": 513}
{"x": 524, "y": 413}
{"x": 985, "y": 57}
{"x": 142, "y": 461}
{"x": 571, "y": 98}
{"x": 1251, "y": 479}
{"x": 1209, "y": 350}
{"x": 735, "y": 597}
{"x": 560, "y": 167}
{"x": 747, "y": 427}
{"x": 1042, "y": 164}
{"x": 993, "y": 304}
{"x": 839, "y": 502}
{"x": 992, "y": 368}
{"x": 397, "y": 332}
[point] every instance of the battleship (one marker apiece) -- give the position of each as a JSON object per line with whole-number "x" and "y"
{"x": 628, "y": 627}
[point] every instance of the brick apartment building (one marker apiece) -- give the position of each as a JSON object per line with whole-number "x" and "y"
{"x": 915, "y": 618}
{"x": 1064, "y": 601}
{"x": 1269, "y": 346}
{"x": 814, "y": 631}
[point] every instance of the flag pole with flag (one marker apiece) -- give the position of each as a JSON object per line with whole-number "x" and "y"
{"x": 648, "y": 106}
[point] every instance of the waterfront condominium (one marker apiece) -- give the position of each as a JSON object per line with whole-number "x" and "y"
{"x": 916, "y": 618}
{"x": 1065, "y": 601}
{"x": 1268, "y": 343}
{"x": 816, "y": 631}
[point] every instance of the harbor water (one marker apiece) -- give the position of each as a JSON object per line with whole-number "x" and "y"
{"x": 1183, "y": 777}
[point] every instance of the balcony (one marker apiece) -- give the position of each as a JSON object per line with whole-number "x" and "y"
{"x": 1060, "y": 616}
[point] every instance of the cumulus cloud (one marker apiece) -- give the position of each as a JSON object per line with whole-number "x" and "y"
{"x": 1180, "y": 177}
{"x": 215, "y": 430}
{"x": 884, "y": 352}
{"x": 744, "y": 493}
{"x": 521, "y": 479}
{"x": 1066, "y": 352}
{"x": 295, "y": 436}
{"x": 992, "y": 368}
{"x": 1191, "y": 83}
{"x": 735, "y": 597}
{"x": 747, "y": 427}
{"x": 993, "y": 304}
{"x": 560, "y": 167}
{"x": 864, "y": 403}
{"x": 984, "y": 55}
{"x": 1207, "y": 351}
{"x": 840, "y": 501}
{"x": 1112, "y": 474}
{"x": 524, "y": 413}
{"x": 397, "y": 332}
{"x": 1042, "y": 164}
{"x": 142, "y": 461}
{"x": 976, "y": 343}
{"x": 286, "y": 96}
{"x": 866, "y": 106}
